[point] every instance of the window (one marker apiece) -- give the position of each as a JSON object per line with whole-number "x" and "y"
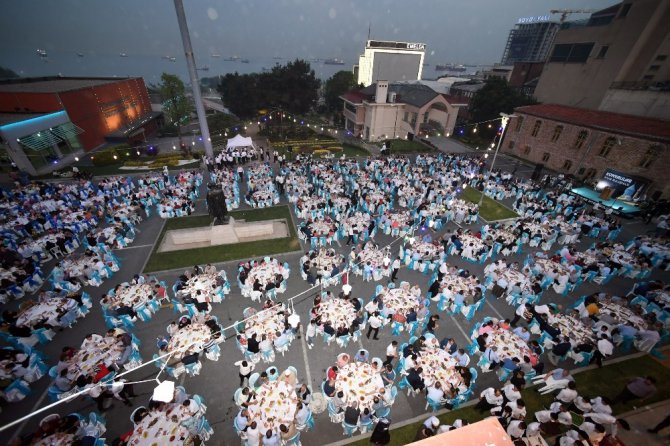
{"x": 654, "y": 68}
{"x": 557, "y": 133}
{"x": 425, "y": 118}
{"x": 607, "y": 146}
{"x": 536, "y": 128}
{"x": 545, "y": 157}
{"x": 526, "y": 150}
{"x": 581, "y": 170}
{"x": 406, "y": 118}
{"x": 590, "y": 174}
{"x": 567, "y": 165}
{"x": 661, "y": 57}
{"x": 510, "y": 145}
{"x": 651, "y": 155}
{"x": 571, "y": 52}
{"x": 519, "y": 123}
{"x": 624, "y": 10}
{"x": 581, "y": 137}
{"x": 603, "y": 51}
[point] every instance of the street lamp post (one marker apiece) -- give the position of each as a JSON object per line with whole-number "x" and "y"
{"x": 193, "y": 74}
{"x": 504, "y": 120}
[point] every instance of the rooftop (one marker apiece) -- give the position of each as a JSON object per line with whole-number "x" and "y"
{"x": 53, "y": 84}
{"x": 635, "y": 126}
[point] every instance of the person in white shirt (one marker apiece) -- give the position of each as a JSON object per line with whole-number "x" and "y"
{"x": 391, "y": 352}
{"x": 511, "y": 393}
{"x": 604, "y": 350}
{"x": 374, "y": 323}
{"x": 310, "y": 333}
{"x": 396, "y": 267}
{"x": 432, "y": 423}
{"x": 489, "y": 398}
{"x": 253, "y": 434}
{"x": 569, "y": 394}
{"x": 435, "y": 393}
{"x": 601, "y": 405}
{"x": 516, "y": 429}
{"x": 246, "y": 367}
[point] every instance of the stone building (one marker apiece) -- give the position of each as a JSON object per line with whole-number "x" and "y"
{"x": 584, "y": 143}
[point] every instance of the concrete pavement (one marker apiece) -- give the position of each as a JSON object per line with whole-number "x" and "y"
{"x": 218, "y": 380}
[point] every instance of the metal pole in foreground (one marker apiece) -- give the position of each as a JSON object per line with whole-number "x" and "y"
{"x": 503, "y": 124}
{"x": 193, "y": 74}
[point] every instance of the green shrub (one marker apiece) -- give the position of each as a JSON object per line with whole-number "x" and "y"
{"x": 105, "y": 157}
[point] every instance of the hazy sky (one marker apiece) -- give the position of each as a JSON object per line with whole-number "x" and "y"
{"x": 463, "y": 31}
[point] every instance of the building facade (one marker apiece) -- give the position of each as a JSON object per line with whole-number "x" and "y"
{"x": 398, "y": 110}
{"x": 529, "y": 42}
{"x": 390, "y": 61}
{"x": 617, "y": 60}
{"x": 584, "y": 143}
{"x": 46, "y": 121}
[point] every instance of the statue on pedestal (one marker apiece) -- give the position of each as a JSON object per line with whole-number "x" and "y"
{"x": 216, "y": 205}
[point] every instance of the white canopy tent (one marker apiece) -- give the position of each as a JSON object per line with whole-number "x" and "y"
{"x": 239, "y": 141}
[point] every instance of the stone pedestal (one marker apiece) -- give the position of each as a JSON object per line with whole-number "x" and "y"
{"x": 223, "y": 234}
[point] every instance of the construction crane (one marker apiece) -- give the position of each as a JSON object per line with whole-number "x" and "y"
{"x": 565, "y": 12}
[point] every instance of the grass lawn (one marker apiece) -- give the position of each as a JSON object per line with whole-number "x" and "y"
{"x": 608, "y": 381}
{"x": 160, "y": 261}
{"x": 114, "y": 169}
{"x": 491, "y": 210}
{"x": 353, "y": 150}
{"x": 407, "y": 146}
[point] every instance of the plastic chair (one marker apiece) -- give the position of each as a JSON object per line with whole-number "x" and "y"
{"x": 349, "y": 429}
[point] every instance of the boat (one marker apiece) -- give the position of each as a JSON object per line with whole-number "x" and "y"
{"x": 215, "y": 55}
{"x": 277, "y": 58}
{"x": 123, "y": 55}
{"x": 450, "y": 67}
{"x": 205, "y": 68}
{"x": 232, "y": 59}
{"x": 42, "y": 53}
{"x": 244, "y": 60}
{"x": 80, "y": 54}
{"x": 426, "y": 65}
{"x": 334, "y": 61}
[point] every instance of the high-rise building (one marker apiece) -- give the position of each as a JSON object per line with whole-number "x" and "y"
{"x": 530, "y": 40}
{"x": 390, "y": 61}
{"x": 616, "y": 60}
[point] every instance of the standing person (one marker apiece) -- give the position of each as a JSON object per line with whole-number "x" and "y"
{"x": 246, "y": 367}
{"x": 391, "y": 352}
{"x": 310, "y": 333}
{"x": 374, "y": 322}
{"x": 396, "y": 268}
{"x": 381, "y": 435}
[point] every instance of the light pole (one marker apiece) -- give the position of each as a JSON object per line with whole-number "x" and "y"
{"x": 504, "y": 120}
{"x": 193, "y": 74}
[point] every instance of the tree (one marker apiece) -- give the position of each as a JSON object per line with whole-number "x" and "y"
{"x": 336, "y": 86}
{"x": 494, "y": 98}
{"x": 292, "y": 87}
{"x": 175, "y": 104}
{"x": 6, "y": 73}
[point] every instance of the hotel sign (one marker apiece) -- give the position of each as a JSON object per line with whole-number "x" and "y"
{"x": 533, "y": 19}
{"x": 396, "y": 45}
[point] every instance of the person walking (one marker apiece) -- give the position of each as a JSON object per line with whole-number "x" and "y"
{"x": 396, "y": 268}
{"x": 391, "y": 352}
{"x": 374, "y": 323}
{"x": 246, "y": 367}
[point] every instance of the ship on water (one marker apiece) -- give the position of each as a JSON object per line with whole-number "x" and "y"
{"x": 333, "y": 61}
{"x": 450, "y": 67}
{"x": 215, "y": 55}
{"x": 244, "y": 60}
{"x": 123, "y": 55}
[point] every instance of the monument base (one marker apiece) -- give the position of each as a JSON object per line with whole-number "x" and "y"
{"x": 235, "y": 231}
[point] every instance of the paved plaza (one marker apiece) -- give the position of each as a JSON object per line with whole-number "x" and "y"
{"x": 218, "y": 381}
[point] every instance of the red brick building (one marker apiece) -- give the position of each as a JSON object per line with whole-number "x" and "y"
{"x": 584, "y": 143}
{"x": 106, "y": 109}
